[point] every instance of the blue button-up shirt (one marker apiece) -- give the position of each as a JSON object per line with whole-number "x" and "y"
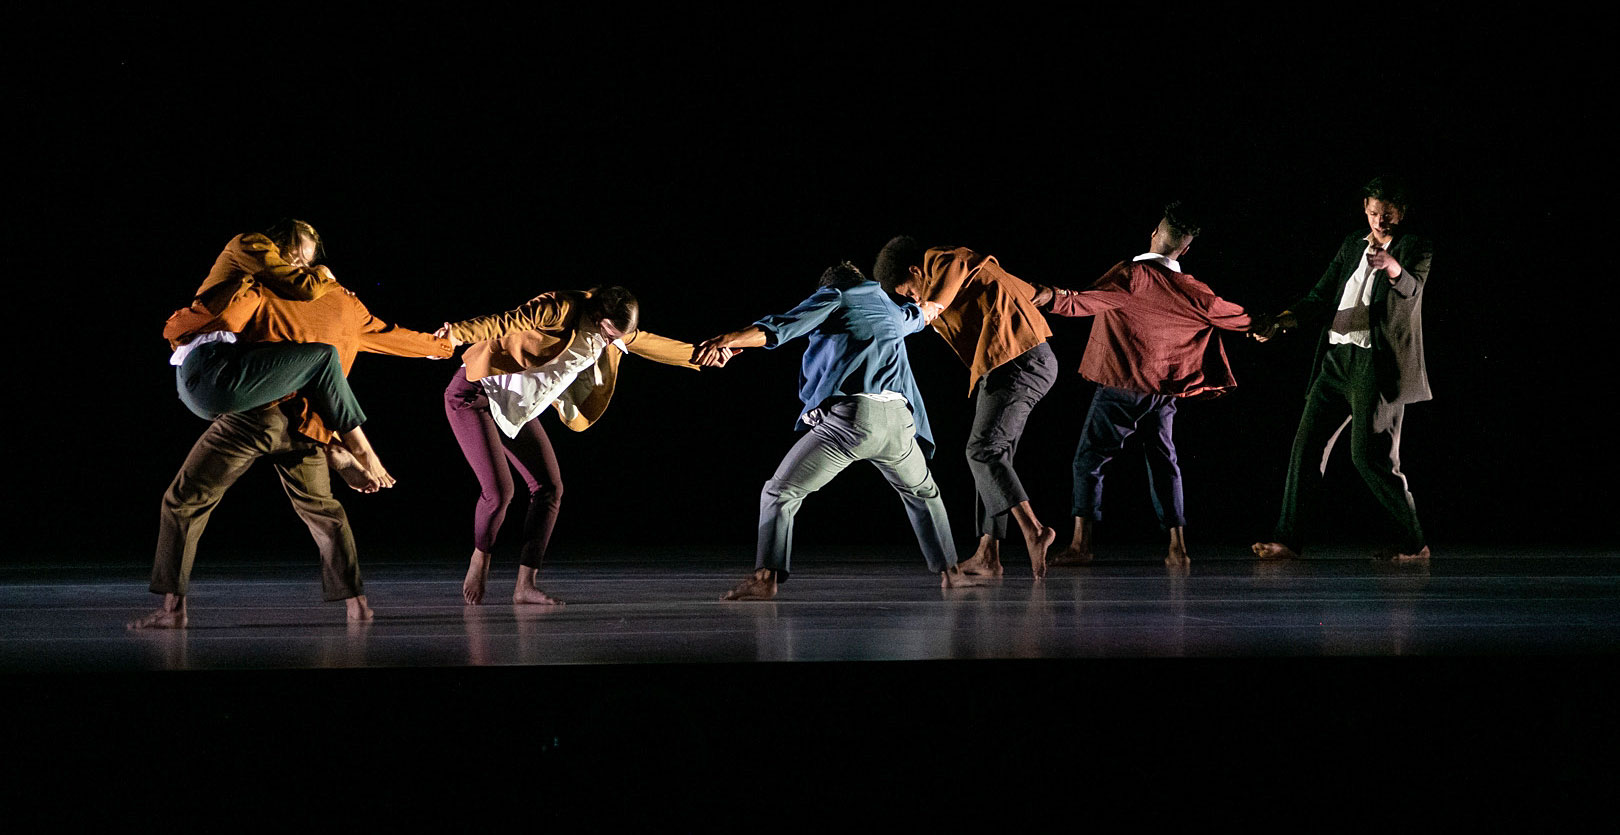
{"x": 857, "y": 346}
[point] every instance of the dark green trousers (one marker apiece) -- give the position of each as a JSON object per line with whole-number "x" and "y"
{"x": 224, "y": 452}
{"x": 1344, "y": 399}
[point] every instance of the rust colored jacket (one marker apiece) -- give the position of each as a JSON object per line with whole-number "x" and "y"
{"x": 988, "y": 317}
{"x": 333, "y": 315}
{"x": 248, "y": 263}
{"x": 536, "y": 333}
{"x": 1155, "y": 331}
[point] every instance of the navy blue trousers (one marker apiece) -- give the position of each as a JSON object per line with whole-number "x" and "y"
{"x": 1115, "y": 415}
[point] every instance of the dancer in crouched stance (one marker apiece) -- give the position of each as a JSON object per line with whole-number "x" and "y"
{"x": 860, "y": 403}
{"x": 559, "y": 350}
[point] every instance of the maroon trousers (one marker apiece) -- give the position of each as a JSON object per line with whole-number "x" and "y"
{"x": 489, "y": 452}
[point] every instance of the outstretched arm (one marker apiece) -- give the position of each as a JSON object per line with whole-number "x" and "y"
{"x": 776, "y": 329}
{"x": 1111, "y": 291}
{"x": 545, "y": 312}
{"x": 661, "y": 349}
{"x": 379, "y": 337}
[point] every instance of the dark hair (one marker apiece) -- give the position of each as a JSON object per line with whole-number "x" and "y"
{"x": 895, "y": 259}
{"x": 615, "y": 304}
{"x": 285, "y": 233}
{"x": 841, "y": 275}
{"x": 1183, "y": 222}
{"x": 1390, "y": 189}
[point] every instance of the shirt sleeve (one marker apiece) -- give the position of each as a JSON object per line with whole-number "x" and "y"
{"x": 256, "y": 256}
{"x": 542, "y": 313}
{"x": 379, "y": 337}
{"x": 1225, "y": 315}
{"x": 802, "y": 319}
{"x": 662, "y": 349}
{"x": 1107, "y": 293}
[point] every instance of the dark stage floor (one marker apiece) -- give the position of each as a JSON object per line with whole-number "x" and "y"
{"x": 1483, "y": 675}
{"x": 664, "y": 609}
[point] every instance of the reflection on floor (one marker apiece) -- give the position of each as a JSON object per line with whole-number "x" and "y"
{"x": 1486, "y": 675}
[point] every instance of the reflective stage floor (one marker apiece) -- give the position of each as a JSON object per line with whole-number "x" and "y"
{"x": 1485, "y": 677}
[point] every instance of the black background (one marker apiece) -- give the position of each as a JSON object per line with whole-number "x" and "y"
{"x": 715, "y": 163}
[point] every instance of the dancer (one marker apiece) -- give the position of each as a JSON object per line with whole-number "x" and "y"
{"x": 860, "y": 403}
{"x": 551, "y": 352}
{"x": 1368, "y": 367}
{"x": 217, "y": 374}
{"x": 987, "y": 316}
{"x": 1153, "y": 343}
{"x": 289, "y": 433}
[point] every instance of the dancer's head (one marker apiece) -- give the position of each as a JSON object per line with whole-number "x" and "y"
{"x": 1175, "y": 232}
{"x": 899, "y": 266}
{"x": 298, "y": 241}
{"x": 1385, "y": 200}
{"x": 613, "y": 310}
{"x": 842, "y": 275}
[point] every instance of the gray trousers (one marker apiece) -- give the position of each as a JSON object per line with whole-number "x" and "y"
{"x": 855, "y": 429}
{"x": 224, "y": 452}
{"x": 1001, "y": 407}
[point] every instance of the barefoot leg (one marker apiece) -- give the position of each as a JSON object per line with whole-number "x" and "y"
{"x": 527, "y": 592}
{"x": 761, "y": 585}
{"x": 172, "y": 615}
{"x": 1079, "y": 551}
{"x": 986, "y": 559}
{"x": 1037, "y": 537}
{"x": 358, "y": 610}
{"x": 472, "y": 588}
{"x": 1178, "y": 548}
{"x": 359, "y": 445}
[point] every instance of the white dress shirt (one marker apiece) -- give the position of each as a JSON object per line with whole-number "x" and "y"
{"x": 516, "y": 399}
{"x": 1352, "y": 325}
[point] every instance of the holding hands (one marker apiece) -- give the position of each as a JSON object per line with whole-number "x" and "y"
{"x": 716, "y": 351}
{"x": 1266, "y": 326}
{"x": 444, "y": 333}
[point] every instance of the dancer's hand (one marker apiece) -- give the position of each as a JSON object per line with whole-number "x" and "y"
{"x": 931, "y": 310}
{"x": 1380, "y": 259}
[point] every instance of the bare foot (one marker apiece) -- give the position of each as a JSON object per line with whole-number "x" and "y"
{"x": 953, "y": 578}
{"x": 1177, "y": 557}
{"x": 472, "y": 588}
{"x": 986, "y": 561}
{"x": 348, "y": 468}
{"x": 358, "y": 610}
{"x": 1071, "y": 556}
{"x": 761, "y": 585}
{"x": 1037, "y": 550}
{"x": 1397, "y": 557}
{"x": 357, "y": 445}
{"x": 171, "y": 616}
{"x": 1273, "y": 551}
{"x": 530, "y": 594}
{"x": 528, "y": 590}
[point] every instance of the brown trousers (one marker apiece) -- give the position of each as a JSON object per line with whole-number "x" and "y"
{"x": 224, "y": 452}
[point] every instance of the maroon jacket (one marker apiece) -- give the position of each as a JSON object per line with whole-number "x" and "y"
{"x": 1155, "y": 331}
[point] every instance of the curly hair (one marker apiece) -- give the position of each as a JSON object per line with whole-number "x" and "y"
{"x": 895, "y": 260}
{"x": 841, "y": 275}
